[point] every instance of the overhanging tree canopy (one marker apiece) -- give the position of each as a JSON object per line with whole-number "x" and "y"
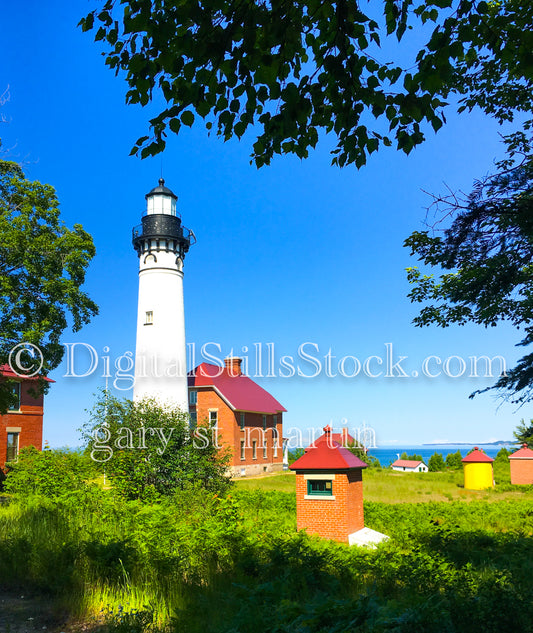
{"x": 291, "y": 69}
{"x": 294, "y": 68}
{"x": 487, "y": 249}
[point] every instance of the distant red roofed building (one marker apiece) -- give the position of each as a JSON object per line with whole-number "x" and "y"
{"x": 245, "y": 417}
{"x": 521, "y": 463}
{"x": 409, "y": 466}
{"x": 22, "y": 425}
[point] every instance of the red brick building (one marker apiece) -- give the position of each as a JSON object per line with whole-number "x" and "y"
{"x": 521, "y": 462}
{"x": 244, "y": 417}
{"x": 22, "y": 425}
{"x": 329, "y": 489}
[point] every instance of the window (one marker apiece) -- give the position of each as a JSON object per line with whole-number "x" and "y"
{"x": 264, "y": 423}
{"x": 16, "y": 390}
{"x": 275, "y": 420}
{"x": 275, "y": 439}
{"x": 243, "y": 417}
{"x": 243, "y": 444}
{"x": 12, "y": 447}
{"x": 320, "y": 487}
{"x": 264, "y": 449}
{"x": 254, "y": 449}
{"x": 149, "y": 320}
{"x": 193, "y": 397}
{"x": 193, "y": 419}
{"x": 213, "y": 419}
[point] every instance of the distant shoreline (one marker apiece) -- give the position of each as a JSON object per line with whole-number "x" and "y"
{"x": 498, "y": 443}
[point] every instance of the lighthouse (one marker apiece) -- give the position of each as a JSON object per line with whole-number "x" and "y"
{"x": 161, "y": 242}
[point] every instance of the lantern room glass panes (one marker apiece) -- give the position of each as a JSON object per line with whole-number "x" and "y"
{"x": 320, "y": 487}
{"x": 161, "y": 204}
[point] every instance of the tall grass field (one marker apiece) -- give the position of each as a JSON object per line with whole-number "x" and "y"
{"x": 199, "y": 562}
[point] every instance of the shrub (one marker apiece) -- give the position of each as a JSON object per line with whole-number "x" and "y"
{"x": 454, "y": 461}
{"x": 50, "y": 473}
{"x": 436, "y": 462}
{"x": 149, "y": 450}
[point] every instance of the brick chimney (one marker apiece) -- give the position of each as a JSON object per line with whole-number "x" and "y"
{"x": 233, "y": 366}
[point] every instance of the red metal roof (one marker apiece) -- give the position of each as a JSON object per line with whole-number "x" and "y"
{"x": 327, "y": 454}
{"x": 343, "y": 438}
{"x": 522, "y": 453}
{"x": 477, "y": 456}
{"x": 406, "y": 463}
{"x": 5, "y": 370}
{"x": 240, "y": 392}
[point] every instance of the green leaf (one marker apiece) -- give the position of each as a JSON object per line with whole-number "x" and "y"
{"x": 187, "y": 118}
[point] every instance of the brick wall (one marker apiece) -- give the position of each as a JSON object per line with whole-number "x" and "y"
{"x": 521, "y": 471}
{"x": 332, "y": 518}
{"x": 29, "y": 420}
{"x": 230, "y": 433}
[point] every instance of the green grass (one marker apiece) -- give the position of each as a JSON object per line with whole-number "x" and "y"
{"x": 282, "y": 482}
{"x": 388, "y": 486}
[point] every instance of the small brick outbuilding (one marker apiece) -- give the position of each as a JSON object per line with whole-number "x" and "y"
{"x": 329, "y": 489}
{"x": 521, "y": 463}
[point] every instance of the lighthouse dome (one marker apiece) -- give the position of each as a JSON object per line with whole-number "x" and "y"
{"x": 161, "y": 199}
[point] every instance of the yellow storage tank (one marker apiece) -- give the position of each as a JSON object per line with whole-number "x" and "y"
{"x": 478, "y": 473}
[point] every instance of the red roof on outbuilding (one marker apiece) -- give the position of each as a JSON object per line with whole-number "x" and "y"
{"x": 327, "y": 454}
{"x": 522, "y": 453}
{"x": 477, "y": 456}
{"x": 240, "y": 392}
{"x": 406, "y": 463}
{"x": 5, "y": 370}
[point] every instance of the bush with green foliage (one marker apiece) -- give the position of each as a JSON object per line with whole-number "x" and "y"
{"x": 524, "y": 433}
{"x": 436, "y": 463}
{"x": 148, "y": 449}
{"x": 295, "y": 454}
{"x": 415, "y": 458}
{"x": 49, "y": 473}
{"x": 454, "y": 461}
{"x": 503, "y": 455}
{"x": 203, "y": 563}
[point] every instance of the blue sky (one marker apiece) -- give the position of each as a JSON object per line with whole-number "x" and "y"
{"x": 297, "y": 253}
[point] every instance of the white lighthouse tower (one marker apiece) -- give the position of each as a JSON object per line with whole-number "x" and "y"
{"x": 160, "y": 356}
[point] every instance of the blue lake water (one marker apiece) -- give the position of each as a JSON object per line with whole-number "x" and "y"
{"x": 388, "y": 454}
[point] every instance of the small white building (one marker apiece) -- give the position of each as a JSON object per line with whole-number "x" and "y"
{"x": 409, "y": 466}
